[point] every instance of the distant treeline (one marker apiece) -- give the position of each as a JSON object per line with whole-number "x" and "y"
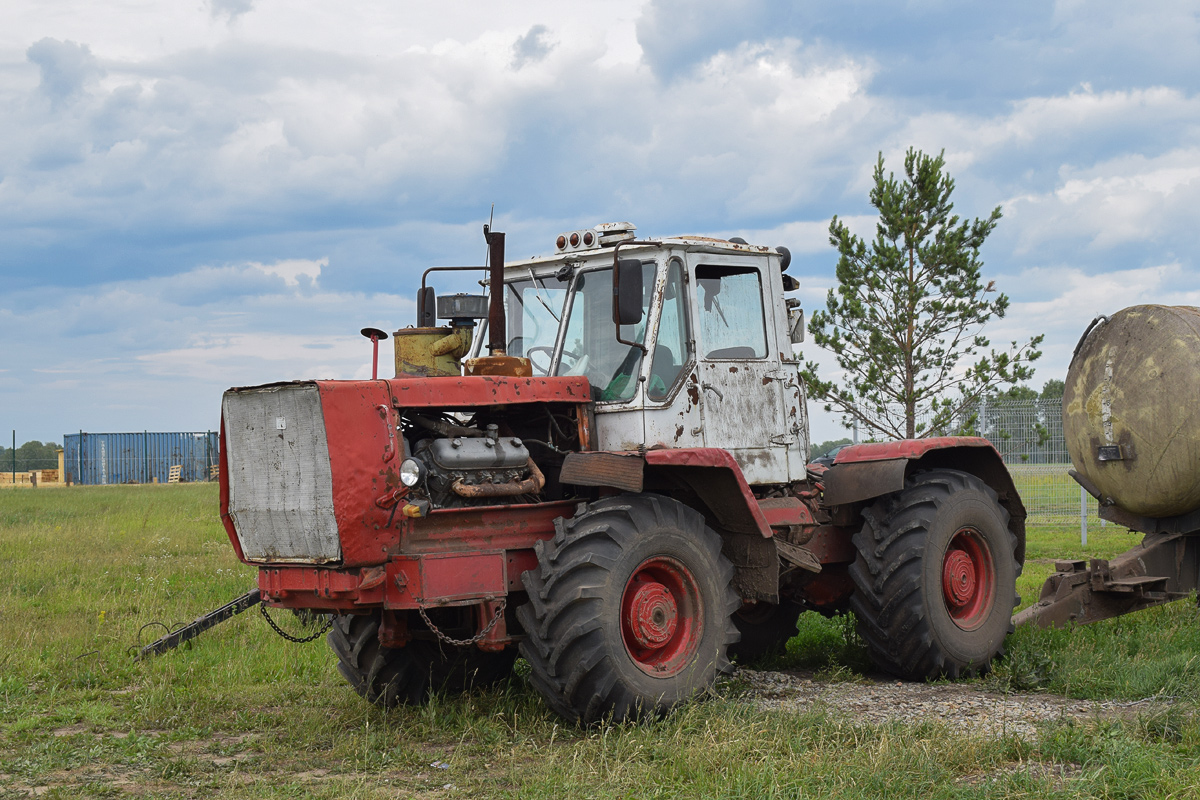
{"x": 30, "y": 456}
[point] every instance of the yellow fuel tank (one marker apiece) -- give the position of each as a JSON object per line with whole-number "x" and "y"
{"x": 430, "y": 352}
{"x": 1131, "y": 409}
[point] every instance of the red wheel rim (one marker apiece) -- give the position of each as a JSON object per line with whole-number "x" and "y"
{"x": 968, "y": 579}
{"x": 662, "y": 618}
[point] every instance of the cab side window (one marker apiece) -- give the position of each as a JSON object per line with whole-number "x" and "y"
{"x": 671, "y": 348}
{"x": 731, "y": 320}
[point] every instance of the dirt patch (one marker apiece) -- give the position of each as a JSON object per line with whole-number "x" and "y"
{"x": 961, "y": 706}
{"x": 70, "y": 730}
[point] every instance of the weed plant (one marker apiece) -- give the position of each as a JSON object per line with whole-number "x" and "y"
{"x": 240, "y": 713}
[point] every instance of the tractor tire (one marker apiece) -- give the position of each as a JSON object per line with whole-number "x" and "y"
{"x": 389, "y": 676}
{"x": 935, "y": 577}
{"x": 765, "y": 629}
{"x": 629, "y": 610}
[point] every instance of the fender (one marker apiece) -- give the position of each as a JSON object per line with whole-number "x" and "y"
{"x": 710, "y": 473}
{"x": 864, "y": 472}
{"x": 709, "y": 480}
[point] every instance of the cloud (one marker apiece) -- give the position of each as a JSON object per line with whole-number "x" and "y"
{"x": 214, "y": 145}
{"x": 532, "y": 47}
{"x": 237, "y": 176}
{"x": 158, "y": 352}
{"x": 1128, "y": 200}
{"x": 230, "y": 9}
{"x": 293, "y": 270}
{"x": 678, "y": 35}
{"x": 66, "y": 67}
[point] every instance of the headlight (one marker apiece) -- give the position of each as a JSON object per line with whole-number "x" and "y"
{"x": 412, "y": 472}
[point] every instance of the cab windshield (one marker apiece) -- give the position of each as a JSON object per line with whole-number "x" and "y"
{"x": 539, "y": 307}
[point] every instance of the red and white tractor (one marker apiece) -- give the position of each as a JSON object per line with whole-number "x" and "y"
{"x": 618, "y": 489}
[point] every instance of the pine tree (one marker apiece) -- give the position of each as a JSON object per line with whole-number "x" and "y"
{"x": 905, "y": 320}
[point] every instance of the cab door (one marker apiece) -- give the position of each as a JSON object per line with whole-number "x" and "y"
{"x": 740, "y": 373}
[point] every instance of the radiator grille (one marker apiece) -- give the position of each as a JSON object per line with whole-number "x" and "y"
{"x": 280, "y": 487}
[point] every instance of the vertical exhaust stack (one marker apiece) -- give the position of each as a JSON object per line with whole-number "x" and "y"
{"x": 497, "y": 325}
{"x": 499, "y": 362}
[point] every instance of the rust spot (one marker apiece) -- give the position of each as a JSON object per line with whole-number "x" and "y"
{"x": 733, "y": 370}
{"x": 678, "y": 432}
{"x": 766, "y": 381}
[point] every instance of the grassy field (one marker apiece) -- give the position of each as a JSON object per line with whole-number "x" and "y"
{"x": 243, "y": 714}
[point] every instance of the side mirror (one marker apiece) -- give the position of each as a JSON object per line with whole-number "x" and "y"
{"x": 627, "y": 292}
{"x": 796, "y": 325}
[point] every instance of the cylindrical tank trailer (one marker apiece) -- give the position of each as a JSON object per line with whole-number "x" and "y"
{"x": 1131, "y": 419}
{"x": 1131, "y": 415}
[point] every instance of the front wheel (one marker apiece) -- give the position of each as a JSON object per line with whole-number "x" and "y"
{"x": 388, "y": 676}
{"x": 935, "y": 577}
{"x": 629, "y": 610}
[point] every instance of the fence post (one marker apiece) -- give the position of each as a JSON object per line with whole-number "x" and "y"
{"x": 1082, "y": 516}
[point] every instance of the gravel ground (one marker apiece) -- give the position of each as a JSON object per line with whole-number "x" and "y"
{"x": 964, "y": 706}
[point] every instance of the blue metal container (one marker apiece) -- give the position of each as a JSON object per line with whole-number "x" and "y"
{"x": 97, "y": 459}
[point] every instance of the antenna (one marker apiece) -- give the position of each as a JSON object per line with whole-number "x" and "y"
{"x": 486, "y": 229}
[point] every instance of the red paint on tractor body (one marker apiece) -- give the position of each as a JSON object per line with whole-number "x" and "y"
{"x": 475, "y": 556}
{"x": 781, "y": 512}
{"x": 908, "y": 449}
{"x": 715, "y": 458}
{"x": 486, "y": 390}
{"x": 223, "y": 482}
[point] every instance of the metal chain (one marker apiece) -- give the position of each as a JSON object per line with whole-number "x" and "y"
{"x": 465, "y": 642}
{"x": 288, "y": 636}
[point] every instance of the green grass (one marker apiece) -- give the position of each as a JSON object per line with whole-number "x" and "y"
{"x": 241, "y": 713}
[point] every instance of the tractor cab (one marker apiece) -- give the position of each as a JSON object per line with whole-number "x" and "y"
{"x": 690, "y": 348}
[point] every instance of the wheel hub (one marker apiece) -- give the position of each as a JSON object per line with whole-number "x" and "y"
{"x": 654, "y": 615}
{"x": 662, "y": 619}
{"x": 958, "y": 579}
{"x": 968, "y": 579}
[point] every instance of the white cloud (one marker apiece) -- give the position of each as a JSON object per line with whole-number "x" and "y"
{"x": 229, "y": 9}
{"x": 313, "y": 155}
{"x": 166, "y": 347}
{"x": 1128, "y": 199}
{"x": 291, "y": 270}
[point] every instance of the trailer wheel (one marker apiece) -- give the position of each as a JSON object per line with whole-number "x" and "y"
{"x": 389, "y": 676}
{"x": 765, "y": 629}
{"x": 935, "y": 577}
{"x": 629, "y": 610}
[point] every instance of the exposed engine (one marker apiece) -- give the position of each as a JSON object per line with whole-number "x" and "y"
{"x": 453, "y": 464}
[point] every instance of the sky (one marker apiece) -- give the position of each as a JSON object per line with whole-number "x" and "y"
{"x": 201, "y": 195}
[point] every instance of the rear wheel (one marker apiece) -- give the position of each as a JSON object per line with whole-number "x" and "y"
{"x": 935, "y": 577}
{"x": 629, "y": 610}
{"x": 389, "y": 676}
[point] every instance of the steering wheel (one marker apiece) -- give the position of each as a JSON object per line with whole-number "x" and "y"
{"x": 549, "y": 351}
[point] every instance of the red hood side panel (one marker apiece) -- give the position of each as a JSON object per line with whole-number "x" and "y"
{"x": 223, "y": 478}
{"x": 365, "y": 452}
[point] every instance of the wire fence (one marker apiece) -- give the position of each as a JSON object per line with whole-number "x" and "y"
{"x": 1027, "y": 433}
{"x": 1029, "y": 437}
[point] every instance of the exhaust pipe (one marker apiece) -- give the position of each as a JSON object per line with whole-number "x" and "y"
{"x": 497, "y": 332}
